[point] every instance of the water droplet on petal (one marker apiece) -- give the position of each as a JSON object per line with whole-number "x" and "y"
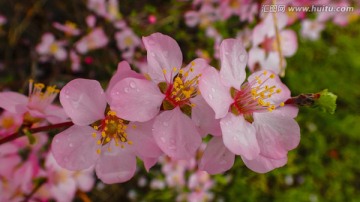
{"x": 172, "y": 147}
{"x": 166, "y": 53}
{"x": 132, "y": 84}
{"x": 126, "y": 90}
{"x": 242, "y": 57}
{"x": 71, "y": 145}
{"x": 56, "y": 141}
{"x": 163, "y": 139}
{"x": 137, "y": 90}
{"x": 213, "y": 90}
{"x": 210, "y": 97}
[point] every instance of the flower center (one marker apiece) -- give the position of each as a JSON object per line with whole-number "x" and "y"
{"x": 7, "y": 122}
{"x": 181, "y": 90}
{"x": 112, "y": 128}
{"x": 38, "y": 99}
{"x": 254, "y": 96}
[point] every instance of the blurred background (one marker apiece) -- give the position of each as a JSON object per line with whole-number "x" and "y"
{"x": 56, "y": 41}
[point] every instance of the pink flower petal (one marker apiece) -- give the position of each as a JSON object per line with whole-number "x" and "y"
{"x": 256, "y": 57}
{"x": 262, "y": 164}
{"x": 215, "y": 93}
{"x": 143, "y": 141}
{"x": 276, "y": 98}
{"x": 123, "y": 71}
{"x": 233, "y": 58}
{"x": 55, "y": 114}
{"x": 216, "y": 158}
{"x": 83, "y": 100}
{"x": 163, "y": 52}
{"x": 75, "y": 148}
{"x": 13, "y": 102}
{"x": 198, "y": 66}
{"x": 289, "y": 43}
{"x": 204, "y": 117}
{"x": 136, "y": 99}
{"x": 116, "y": 167}
{"x": 149, "y": 163}
{"x": 239, "y": 136}
{"x": 176, "y": 134}
{"x": 276, "y": 134}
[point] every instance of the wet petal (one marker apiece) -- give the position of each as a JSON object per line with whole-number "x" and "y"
{"x": 83, "y": 100}
{"x": 116, "y": 167}
{"x": 136, "y": 99}
{"x": 55, "y": 114}
{"x": 123, "y": 71}
{"x": 233, "y": 58}
{"x": 215, "y": 93}
{"x": 142, "y": 139}
{"x": 163, "y": 52}
{"x": 276, "y": 134}
{"x": 262, "y": 164}
{"x": 75, "y": 148}
{"x": 204, "y": 117}
{"x": 11, "y": 101}
{"x": 276, "y": 98}
{"x": 216, "y": 158}
{"x": 149, "y": 163}
{"x": 198, "y": 66}
{"x": 176, "y": 134}
{"x": 239, "y": 136}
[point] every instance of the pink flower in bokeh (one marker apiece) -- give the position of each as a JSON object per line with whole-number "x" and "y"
{"x": 204, "y": 17}
{"x": 152, "y": 19}
{"x": 172, "y": 88}
{"x": 9, "y": 123}
{"x": 127, "y": 41}
{"x": 69, "y": 28}
{"x": 94, "y": 40}
{"x": 50, "y": 47}
{"x": 265, "y": 51}
{"x": 75, "y": 61}
{"x": 62, "y": 184}
{"x": 311, "y": 29}
{"x": 255, "y": 123}
{"x": 99, "y": 137}
{"x": 37, "y": 105}
{"x": 3, "y": 20}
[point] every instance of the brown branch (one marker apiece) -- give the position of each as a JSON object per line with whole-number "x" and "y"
{"x": 20, "y": 132}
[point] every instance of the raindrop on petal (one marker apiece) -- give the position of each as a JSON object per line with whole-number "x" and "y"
{"x": 132, "y": 84}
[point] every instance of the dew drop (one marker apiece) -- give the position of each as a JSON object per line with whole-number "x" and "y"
{"x": 132, "y": 84}
{"x": 213, "y": 90}
{"x": 166, "y": 53}
{"x": 126, "y": 90}
{"x": 172, "y": 147}
{"x": 242, "y": 57}
{"x": 56, "y": 141}
{"x": 137, "y": 90}
{"x": 210, "y": 97}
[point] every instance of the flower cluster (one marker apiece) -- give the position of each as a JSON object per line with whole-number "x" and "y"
{"x": 168, "y": 110}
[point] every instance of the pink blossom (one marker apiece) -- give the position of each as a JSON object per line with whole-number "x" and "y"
{"x": 37, "y": 105}
{"x": 3, "y": 20}
{"x": 75, "y": 61}
{"x": 255, "y": 124}
{"x": 110, "y": 143}
{"x": 9, "y": 123}
{"x": 50, "y": 47}
{"x": 311, "y": 29}
{"x": 264, "y": 35}
{"x": 94, "y": 40}
{"x": 127, "y": 41}
{"x": 204, "y": 17}
{"x": 152, "y": 19}
{"x": 68, "y": 28}
{"x": 62, "y": 184}
{"x": 171, "y": 87}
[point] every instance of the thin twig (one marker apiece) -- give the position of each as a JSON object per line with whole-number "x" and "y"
{"x": 34, "y": 130}
{"x": 281, "y": 63}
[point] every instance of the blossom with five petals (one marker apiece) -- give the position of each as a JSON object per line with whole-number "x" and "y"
{"x": 254, "y": 121}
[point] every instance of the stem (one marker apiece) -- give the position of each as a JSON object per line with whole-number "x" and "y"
{"x": 34, "y": 130}
{"x": 282, "y": 69}
{"x": 36, "y": 188}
